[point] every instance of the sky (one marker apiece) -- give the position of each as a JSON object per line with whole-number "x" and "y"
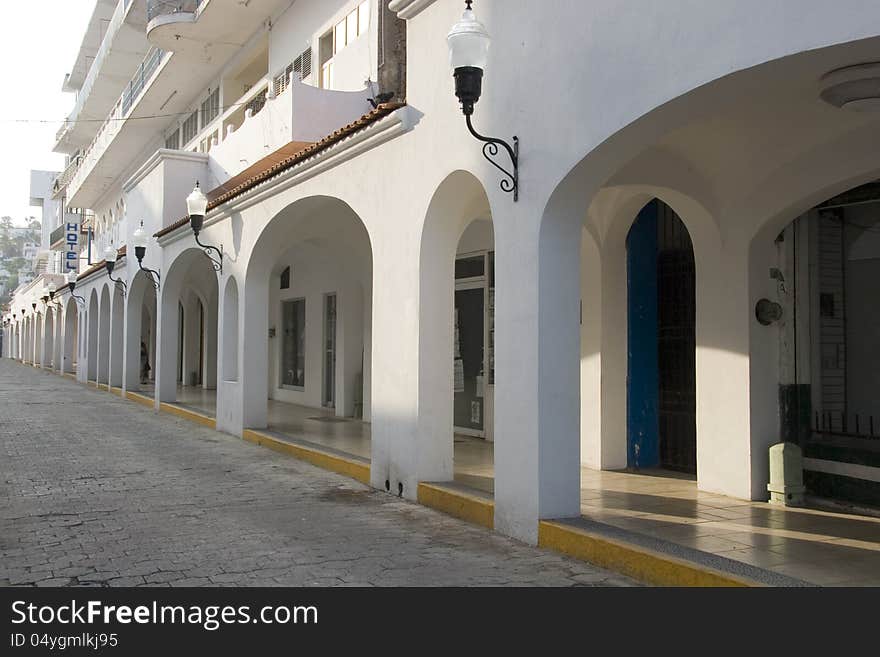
{"x": 39, "y": 40}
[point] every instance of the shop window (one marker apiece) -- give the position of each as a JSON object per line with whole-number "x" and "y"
{"x": 293, "y": 354}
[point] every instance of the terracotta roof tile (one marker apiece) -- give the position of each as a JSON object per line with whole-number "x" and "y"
{"x": 281, "y": 160}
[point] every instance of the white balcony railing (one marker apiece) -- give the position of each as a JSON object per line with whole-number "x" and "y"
{"x": 114, "y": 121}
{"x": 95, "y": 69}
{"x": 162, "y": 7}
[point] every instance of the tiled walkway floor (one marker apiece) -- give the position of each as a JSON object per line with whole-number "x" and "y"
{"x": 821, "y": 547}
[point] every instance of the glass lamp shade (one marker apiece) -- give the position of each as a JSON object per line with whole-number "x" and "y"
{"x": 71, "y": 278}
{"x": 468, "y": 43}
{"x": 196, "y": 202}
{"x": 140, "y": 237}
{"x": 110, "y": 253}
{"x": 52, "y": 288}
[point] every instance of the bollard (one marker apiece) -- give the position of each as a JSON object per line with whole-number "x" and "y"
{"x": 786, "y": 475}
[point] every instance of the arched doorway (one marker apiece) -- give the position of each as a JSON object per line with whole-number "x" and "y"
{"x": 104, "y": 336}
{"x": 91, "y": 343}
{"x": 140, "y": 335}
{"x": 457, "y": 335}
{"x": 661, "y": 342}
{"x": 825, "y": 278}
{"x": 71, "y": 341}
{"x": 49, "y": 339}
{"x": 306, "y": 366}
{"x": 188, "y": 337}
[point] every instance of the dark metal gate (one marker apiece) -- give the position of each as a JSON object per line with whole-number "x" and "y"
{"x": 676, "y": 337}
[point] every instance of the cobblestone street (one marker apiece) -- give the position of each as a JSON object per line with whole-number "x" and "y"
{"x": 98, "y": 491}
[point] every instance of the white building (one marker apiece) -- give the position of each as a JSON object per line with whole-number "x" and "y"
{"x": 674, "y": 159}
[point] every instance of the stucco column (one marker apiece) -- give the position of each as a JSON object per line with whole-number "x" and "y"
{"x": 724, "y": 314}
{"x": 229, "y": 391}
{"x": 404, "y": 449}
{"x": 209, "y": 375}
{"x": 36, "y": 336}
{"x": 254, "y": 307}
{"x": 166, "y": 352}
{"x": 117, "y": 328}
{"x": 47, "y": 341}
{"x": 537, "y": 373}
{"x": 58, "y": 364}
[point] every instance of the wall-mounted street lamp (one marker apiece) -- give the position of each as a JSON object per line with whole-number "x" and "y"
{"x": 468, "y": 43}
{"x": 110, "y": 262}
{"x": 196, "y": 207}
{"x": 71, "y": 283}
{"x": 140, "y": 250}
{"x": 52, "y": 290}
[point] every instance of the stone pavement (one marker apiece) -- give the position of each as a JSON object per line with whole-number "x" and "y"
{"x": 99, "y": 491}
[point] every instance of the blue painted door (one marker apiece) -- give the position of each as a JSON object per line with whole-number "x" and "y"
{"x": 642, "y": 362}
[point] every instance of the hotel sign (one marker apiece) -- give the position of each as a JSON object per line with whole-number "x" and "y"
{"x": 71, "y": 247}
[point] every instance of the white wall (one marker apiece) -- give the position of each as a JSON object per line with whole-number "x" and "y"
{"x": 305, "y": 22}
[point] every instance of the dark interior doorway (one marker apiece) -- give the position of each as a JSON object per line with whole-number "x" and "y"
{"x": 661, "y": 336}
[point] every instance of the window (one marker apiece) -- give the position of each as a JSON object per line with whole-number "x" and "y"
{"x": 285, "y": 279}
{"x": 339, "y": 37}
{"x": 211, "y": 107}
{"x": 327, "y": 75}
{"x": 363, "y": 17}
{"x": 190, "y": 127}
{"x": 343, "y": 33}
{"x": 172, "y": 141}
{"x": 293, "y": 352}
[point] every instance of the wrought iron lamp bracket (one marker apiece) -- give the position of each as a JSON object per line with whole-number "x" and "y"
{"x": 216, "y": 262}
{"x": 510, "y": 183}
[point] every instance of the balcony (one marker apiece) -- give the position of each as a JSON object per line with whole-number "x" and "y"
{"x": 63, "y": 178}
{"x": 206, "y": 28}
{"x": 259, "y": 125}
{"x": 84, "y": 188}
{"x": 122, "y": 47}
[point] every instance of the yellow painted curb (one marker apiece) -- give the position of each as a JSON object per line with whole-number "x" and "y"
{"x": 339, "y": 464}
{"x": 638, "y": 562}
{"x": 186, "y": 414}
{"x": 140, "y": 399}
{"x": 472, "y": 508}
{"x": 69, "y": 375}
{"x": 117, "y": 391}
{"x": 92, "y": 384}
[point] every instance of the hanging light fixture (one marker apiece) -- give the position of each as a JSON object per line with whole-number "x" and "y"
{"x": 196, "y": 207}
{"x": 141, "y": 239}
{"x": 110, "y": 256}
{"x": 469, "y": 43}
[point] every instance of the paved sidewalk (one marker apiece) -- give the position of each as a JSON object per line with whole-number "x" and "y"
{"x": 99, "y": 491}
{"x": 824, "y": 547}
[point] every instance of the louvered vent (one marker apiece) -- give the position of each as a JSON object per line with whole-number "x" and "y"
{"x": 301, "y": 67}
